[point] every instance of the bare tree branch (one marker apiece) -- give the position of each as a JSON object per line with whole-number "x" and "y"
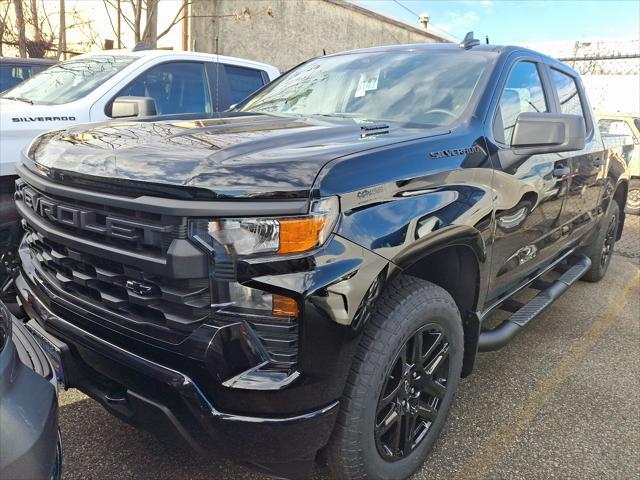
{"x": 113, "y": 28}
{"x": 62, "y": 35}
{"x": 137, "y": 18}
{"x": 180, "y": 15}
{"x": 47, "y": 18}
{"x": 129, "y": 22}
{"x": 4, "y": 23}
{"x": 150, "y": 34}
{"x": 33, "y": 4}
{"x": 22, "y": 37}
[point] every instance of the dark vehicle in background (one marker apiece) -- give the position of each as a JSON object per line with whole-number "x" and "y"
{"x": 313, "y": 270}
{"x": 30, "y": 445}
{"x": 16, "y": 70}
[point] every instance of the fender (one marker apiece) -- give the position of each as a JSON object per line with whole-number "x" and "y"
{"x": 450, "y": 236}
{"x": 615, "y": 185}
{"x": 616, "y": 174}
{"x": 406, "y": 226}
{"x": 465, "y": 279}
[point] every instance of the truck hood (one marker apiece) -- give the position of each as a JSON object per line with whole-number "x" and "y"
{"x": 13, "y": 106}
{"x": 20, "y": 109}
{"x": 17, "y": 115}
{"x": 257, "y": 156}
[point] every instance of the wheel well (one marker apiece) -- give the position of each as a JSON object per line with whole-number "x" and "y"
{"x": 455, "y": 269}
{"x": 531, "y": 196}
{"x": 620, "y": 197}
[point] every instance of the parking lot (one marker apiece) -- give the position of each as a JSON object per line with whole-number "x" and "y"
{"x": 560, "y": 401}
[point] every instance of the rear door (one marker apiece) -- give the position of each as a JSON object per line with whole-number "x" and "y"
{"x": 587, "y": 165}
{"x": 244, "y": 81}
{"x": 230, "y": 84}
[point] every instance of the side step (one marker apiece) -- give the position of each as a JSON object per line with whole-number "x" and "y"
{"x": 501, "y": 335}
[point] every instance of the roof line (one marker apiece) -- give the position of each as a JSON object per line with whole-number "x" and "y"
{"x": 383, "y": 18}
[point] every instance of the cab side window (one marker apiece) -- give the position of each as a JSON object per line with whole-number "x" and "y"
{"x": 243, "y": 82}
{"x": 568, "y": 94}
{"x": 617, "y": 128}
{"x": 177, "y": 87}
{"x": 522, "y": 93}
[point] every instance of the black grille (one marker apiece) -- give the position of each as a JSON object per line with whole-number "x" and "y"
{"x": 133, "y": 229}
{"x": 135, "y": 269}
{"x": 172, "y": 311}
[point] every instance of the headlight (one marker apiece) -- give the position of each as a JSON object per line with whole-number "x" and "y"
{"x": 285, "y": 235}
{"x": 253, "y": 301}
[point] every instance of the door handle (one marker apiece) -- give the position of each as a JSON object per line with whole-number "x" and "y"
{"x": 561, "y": 172}
{"x": 598, "y": 162}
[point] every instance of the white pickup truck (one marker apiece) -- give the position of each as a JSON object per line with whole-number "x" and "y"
{"x": 117, "y": 84}
{"x": 112, "y": 85}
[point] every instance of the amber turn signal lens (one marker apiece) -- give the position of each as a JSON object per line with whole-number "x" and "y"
{"x": 284, "y": 306}
{"x": 300, "y": 234}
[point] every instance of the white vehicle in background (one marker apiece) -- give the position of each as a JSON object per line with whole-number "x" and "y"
{"x": 112, "y": 85}
{"x": 119, "y": 84}
{"x": 624, "y": 131}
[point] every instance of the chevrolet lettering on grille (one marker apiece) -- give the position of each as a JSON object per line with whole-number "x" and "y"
{"x": 87, "y": 219}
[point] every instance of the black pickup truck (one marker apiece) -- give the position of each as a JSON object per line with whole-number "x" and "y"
{"x": 312, "y": 271}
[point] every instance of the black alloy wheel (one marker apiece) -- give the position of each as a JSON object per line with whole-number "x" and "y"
{"x": 401, "y": 384}
{"x": 414, "y": 389}
{"x": 600, "y": 249}
{"x": 609, "y": 241}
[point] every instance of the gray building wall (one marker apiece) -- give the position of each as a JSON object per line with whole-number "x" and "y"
{"x": 286, "y": 32}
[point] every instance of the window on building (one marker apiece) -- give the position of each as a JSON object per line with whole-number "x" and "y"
{"x": 176, "y": 87}
{"x": 243, "y": 82}
{"x": 522, "y": 93}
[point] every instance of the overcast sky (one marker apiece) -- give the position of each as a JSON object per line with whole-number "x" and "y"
{"x": 522, "y": 21}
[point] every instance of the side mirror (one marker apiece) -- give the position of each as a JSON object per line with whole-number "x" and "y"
{"x": 536, "y": 133}
{"x": 133, "y": 107}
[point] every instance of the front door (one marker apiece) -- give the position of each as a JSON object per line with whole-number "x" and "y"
{"x": 529, "y": 194}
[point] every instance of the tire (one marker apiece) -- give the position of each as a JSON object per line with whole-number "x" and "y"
{"x": 601, "y": 248}
{"x": 633, "y": 197}
{"x": 410, "y": 309}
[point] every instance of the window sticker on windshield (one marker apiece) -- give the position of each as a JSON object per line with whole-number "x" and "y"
{"x": 368, "y": 81}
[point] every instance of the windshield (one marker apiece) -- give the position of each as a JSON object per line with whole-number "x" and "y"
{"x": 69, "y": 81}
{"x": 420, "y": 87}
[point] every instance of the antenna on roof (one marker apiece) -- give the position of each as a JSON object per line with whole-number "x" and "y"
{"x": 486, "y": 38}
{"x": 469, "y": 41}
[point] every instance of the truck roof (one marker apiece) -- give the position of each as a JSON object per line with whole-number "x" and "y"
{"x": 449, "y": 47}
{"x": 179, "y": 54}
{"x": 29, "y": 61}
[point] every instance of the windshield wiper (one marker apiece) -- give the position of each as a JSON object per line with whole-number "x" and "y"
{"x": 336, "y": 114}
{"x": 20, "y": 99}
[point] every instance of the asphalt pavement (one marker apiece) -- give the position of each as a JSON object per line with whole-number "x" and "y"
{"x": 562, "y": 400}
